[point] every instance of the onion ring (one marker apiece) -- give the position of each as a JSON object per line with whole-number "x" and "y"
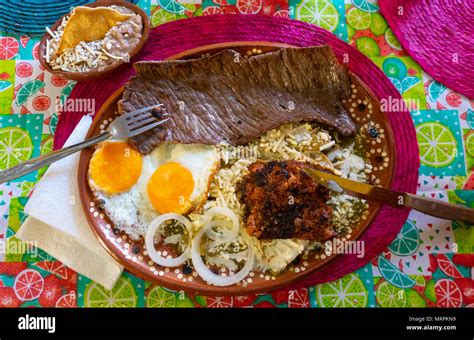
{"x": 208, "y": 224}
{"x": 150, "y": 245}
{"x": 207, "y": 275}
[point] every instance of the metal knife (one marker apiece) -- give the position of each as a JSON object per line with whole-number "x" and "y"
{"x": 425, "y": 205}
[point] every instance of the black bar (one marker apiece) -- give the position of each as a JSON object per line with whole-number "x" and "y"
{"x": 134, "y": 323}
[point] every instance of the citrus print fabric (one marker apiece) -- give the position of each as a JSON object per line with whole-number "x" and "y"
{"x": 429, "y": 264}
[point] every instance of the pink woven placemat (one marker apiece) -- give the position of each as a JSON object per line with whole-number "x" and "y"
{"x": 177, "y": 36}
{"x": 438, "y": 34}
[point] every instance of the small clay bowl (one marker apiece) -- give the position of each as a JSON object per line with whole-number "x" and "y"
{"x": 94, "y": 74}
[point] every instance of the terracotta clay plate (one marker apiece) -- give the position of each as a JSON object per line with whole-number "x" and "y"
{"x": 365, "y": 111}
{"x": 94, "y": 74}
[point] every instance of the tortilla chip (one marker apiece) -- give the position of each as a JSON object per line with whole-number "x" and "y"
{"x": 89, "y": 24}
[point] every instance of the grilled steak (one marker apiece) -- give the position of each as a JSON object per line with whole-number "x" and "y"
{"x": 229, "y": 98}
{"x": 282, "y": 201}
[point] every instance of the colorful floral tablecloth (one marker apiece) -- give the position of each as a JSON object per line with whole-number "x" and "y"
{"x": 430, "y": 263}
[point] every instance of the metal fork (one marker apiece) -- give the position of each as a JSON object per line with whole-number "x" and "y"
{"x": 125, "y": 126}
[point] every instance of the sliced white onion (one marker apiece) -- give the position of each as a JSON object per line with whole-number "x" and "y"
{"x": 209, "y": 224}
{"x": 207, "y": 275}
{"x": 150, "y": 244}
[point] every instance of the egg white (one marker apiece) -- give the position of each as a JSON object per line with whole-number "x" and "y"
{"x": 132, "y": 211}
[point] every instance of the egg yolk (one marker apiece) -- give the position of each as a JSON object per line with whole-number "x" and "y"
{"x": 170, "y": 188}
{"x": 115, "y": 167}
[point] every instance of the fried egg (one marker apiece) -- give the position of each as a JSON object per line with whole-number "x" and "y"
{"x": 133, "y": 189}
{"x": 115, "y": 167}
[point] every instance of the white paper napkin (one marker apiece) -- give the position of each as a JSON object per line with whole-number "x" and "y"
{"x": 57, "y": 223}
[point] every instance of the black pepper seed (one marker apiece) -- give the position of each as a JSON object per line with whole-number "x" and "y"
{"x": 157, "y": 113}
{"x": 373, "y": 131}
{"x": 296, "y": 261}
{"x": 101, "y": 203}
{"x": 136, "y": 249}
{"x": 187, "y": 270}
